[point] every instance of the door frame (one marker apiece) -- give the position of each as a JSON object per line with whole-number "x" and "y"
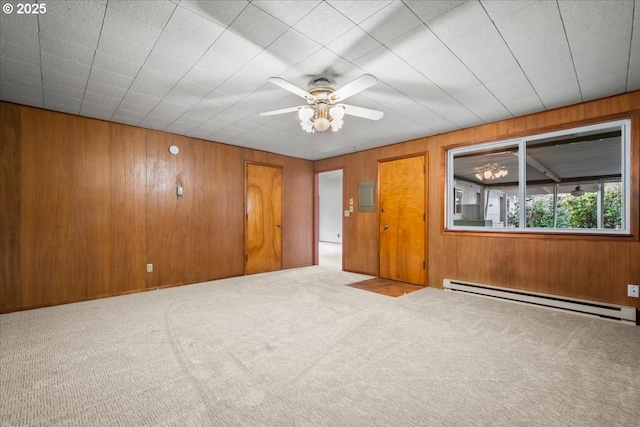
{"x": 244, "y": 211}
{"x": 425, "y": 156}
{"x": 316, "y": 213}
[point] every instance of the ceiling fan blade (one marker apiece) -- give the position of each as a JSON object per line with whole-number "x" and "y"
{"x": 282, "y": 111}
{"x": 365, "y": 113}
{"x": 358, "y": 85}
{"x": 292, "y": 88}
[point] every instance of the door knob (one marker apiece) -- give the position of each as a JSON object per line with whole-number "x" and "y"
{"x": 279, "y": 224}
{"x": 386, "y": 226}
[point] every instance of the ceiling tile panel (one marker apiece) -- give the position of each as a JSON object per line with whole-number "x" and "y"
{"x": 392, "y": 21}
{"x": 179, "y": 48}
{"x": 89, "y": 13}
{"x": 358, "y": 11}
{"x": 63, "y": 79}
{"x": 20, "y": 35}
{"x": 485, "y": 54}
{"x": 145, "y": 88}
{"x": 222, "y": 12}
{"x": 126, "y": 27}
{"x": 63, "y": 100}
{"x": 17, "y": 67}
{"x": 544, "y": 57}
{"x": 27, "y": 21}
{"x": 325, "y": 63}
{"x": 69, "y": 30}
{"x": 166, "y": 64}
{"x": 324, "y": 13}
{"x": 251, "y": 77}
{"x": 109, "y": 78}
{"x": 181, "y": 98}
{"x": 599, "y": 36}
{"x": 228, "y": 54}
{"x": 429, "y": 11}
{"x": 19, "y": 53}
{"x": 192, "y": 89}
{"x": 289, "y": 12}
{"x": 106, "y": 90}
{"x": 22, "y": 80}
{"x": 62, "y": 65}
{"x": 116, "y": 65}
{"x": 293, "y": 46}
{"x": 122, "y": 48}
{"x": 11, "y": 90}
{"x": 257, "y": 26}
{"x": 139, "y": 102}
{"x": 157, "y": 78}
{"x": 353, "y": 44}
{"x": 269, "y": 63}
{"x": 191, "y": 26}
{"x": 56, "y": 89}
{"x": 204, "y": 110}
{"x": 65, "y": 49}
{"x": 156, "y": 13}
{"x": 204, "y": 78}
{"x": 101, "y": 100}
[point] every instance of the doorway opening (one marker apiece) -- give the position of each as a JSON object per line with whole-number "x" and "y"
{"x": 330, "y": 219}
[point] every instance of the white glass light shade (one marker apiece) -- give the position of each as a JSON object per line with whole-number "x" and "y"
{"x": 321, "y": 124}
{"x": 337, "y": 112}
{"x": 336, "y": 125}
{"x": 305, "y": 114}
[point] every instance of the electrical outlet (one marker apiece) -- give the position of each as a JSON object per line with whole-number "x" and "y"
{"x": 149, "y": 268}
{"x": 633, "y": 290}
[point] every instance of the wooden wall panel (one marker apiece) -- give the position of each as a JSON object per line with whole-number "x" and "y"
{"x": 10, "y": 206}
{"x": 47, "y": 258}
{"x": 89, "y": 203}
{"x": 581, "y": 267}
{"x": 127, "y": 209}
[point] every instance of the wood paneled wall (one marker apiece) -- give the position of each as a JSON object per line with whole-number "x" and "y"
{"x": 86, "y": 204}
{"x": 593, "y": 268}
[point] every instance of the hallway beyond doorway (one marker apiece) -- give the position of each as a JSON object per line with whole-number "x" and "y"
{"x": 330, "y": 255}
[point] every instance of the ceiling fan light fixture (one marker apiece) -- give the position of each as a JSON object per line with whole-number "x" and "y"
{"x": 490, "y": 172}
{"x": 577, "y": 192}
{"x": 322, "y": 112}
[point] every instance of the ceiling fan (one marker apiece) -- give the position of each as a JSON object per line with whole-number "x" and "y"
{"x": 324, "y": 107}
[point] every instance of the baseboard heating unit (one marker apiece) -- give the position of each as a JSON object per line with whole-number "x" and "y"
{"x": 608, "y": 311}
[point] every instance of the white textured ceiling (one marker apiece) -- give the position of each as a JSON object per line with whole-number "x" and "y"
{"x": 200, "y": 68}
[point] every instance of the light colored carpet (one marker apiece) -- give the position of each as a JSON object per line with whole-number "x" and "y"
{"x": 298, "y": 348}
{"x": 330, "y": 255}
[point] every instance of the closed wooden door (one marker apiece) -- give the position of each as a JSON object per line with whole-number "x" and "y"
{"x": 402, "y": 220}
{"x": 263, "y": 219}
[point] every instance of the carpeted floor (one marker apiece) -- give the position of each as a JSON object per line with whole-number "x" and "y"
{"x": 299, "y": 348}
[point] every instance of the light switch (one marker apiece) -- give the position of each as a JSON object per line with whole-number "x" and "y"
{"x": 346, "y": 213}
{"x": 180, "y": 191}
{"x": 350, "y": 208}
{"x": 351, "y": 203}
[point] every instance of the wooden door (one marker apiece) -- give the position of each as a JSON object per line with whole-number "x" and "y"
{"x": 263, "y": 219}
{"x": 402, "y": 219}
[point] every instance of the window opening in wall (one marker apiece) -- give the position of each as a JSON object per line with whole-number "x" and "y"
{"x": 573, "y": 181}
